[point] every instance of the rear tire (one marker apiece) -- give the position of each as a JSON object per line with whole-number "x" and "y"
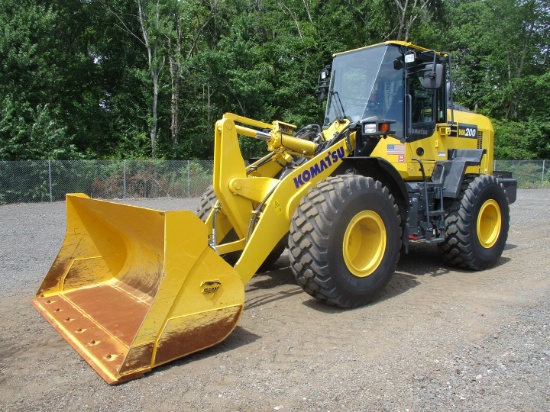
{"x": 206, "y": 203}
{"x": 477, "y": 225}
{"x": 345, "y": 239}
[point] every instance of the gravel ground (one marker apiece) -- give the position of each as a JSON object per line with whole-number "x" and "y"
{"x": 438, "y": 339}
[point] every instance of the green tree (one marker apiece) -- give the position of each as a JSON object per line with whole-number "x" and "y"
{"x": 29, "y": 125}
{"x": 144, "y": 78}
{"x": 500, "y": 58}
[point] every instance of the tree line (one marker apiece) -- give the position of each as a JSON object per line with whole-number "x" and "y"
{"x": 113, "y": 79}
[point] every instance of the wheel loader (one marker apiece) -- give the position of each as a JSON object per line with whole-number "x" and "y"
{"x": 394, "y": 161}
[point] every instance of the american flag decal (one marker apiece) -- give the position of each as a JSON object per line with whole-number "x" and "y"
{"x": 396, "y": 149}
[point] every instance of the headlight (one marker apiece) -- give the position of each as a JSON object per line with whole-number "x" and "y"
{"x": 369, "y": 128}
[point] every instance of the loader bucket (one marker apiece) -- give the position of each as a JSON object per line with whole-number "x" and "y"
{"x": 133, "y": 288}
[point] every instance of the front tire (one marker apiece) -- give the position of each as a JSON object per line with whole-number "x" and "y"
{"x": 477, "y": 225}
{"x": 345, "y": 239}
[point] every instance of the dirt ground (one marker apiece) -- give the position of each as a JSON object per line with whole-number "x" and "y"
{"x": 438, "y": 339}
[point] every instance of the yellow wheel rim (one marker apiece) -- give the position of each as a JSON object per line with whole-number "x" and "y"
{"x": 364, "y": 243}
{"x": 489, "y": 223}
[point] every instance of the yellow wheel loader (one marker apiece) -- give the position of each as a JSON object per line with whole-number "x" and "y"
{"x": 395, "y": 161}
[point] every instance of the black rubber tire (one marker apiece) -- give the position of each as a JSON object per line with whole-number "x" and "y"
{"x": 477, "y": 224}
{"x": 320, "y": 226}
{"x": 206, "y": 203}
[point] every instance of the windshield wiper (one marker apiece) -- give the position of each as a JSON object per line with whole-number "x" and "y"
{"x": 340, "y": 112}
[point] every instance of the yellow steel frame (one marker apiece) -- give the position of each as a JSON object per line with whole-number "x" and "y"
{"x": 242, "y": 190}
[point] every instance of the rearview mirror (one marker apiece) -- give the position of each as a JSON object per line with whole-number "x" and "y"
{"x": 322, "y": 84}
{"x": 431, "y": 78}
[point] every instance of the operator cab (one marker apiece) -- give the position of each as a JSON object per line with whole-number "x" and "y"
{"x": 387, "y": 89}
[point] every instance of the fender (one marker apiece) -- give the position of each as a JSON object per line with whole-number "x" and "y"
{"x": 382, "y": 170}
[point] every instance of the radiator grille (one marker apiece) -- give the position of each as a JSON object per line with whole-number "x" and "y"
{"x": 479, "y": 139}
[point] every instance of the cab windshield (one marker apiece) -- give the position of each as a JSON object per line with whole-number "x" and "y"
{"x": 364, "y": 84}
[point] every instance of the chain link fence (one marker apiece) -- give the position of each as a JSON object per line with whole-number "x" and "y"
{"x": 530, "y": 174}
{"x": 51, "y": 180}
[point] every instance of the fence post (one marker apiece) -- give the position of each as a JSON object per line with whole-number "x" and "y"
{"x": 188, "y": 179}
{"x": 50, "y": 178}
{"x": 542, "y": 176}
{"x": 124, "y": 180}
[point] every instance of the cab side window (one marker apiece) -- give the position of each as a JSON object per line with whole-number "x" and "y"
{"x": 428, "y": 105}
{"x": 422, "y": 101}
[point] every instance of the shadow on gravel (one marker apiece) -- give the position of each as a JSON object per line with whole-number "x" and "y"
{"x": 400, "y": 283}
{"x": 319, "y": 306}
{"x": 239, "y": 337}
{"x": 510, "y": 246}
{"x": 502, "y": 261}
{"x": 271, "y": 279}
{"x": 424, "y": 259}
{"x": 279, "y": 275}
{"x": 271, "y": 297}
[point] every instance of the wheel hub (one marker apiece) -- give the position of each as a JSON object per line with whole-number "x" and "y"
{"x": 489, "y": 223}
{"x": 364, "y": 243}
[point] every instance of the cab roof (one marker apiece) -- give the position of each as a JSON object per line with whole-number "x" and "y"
{"x": 387, "y": 43}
